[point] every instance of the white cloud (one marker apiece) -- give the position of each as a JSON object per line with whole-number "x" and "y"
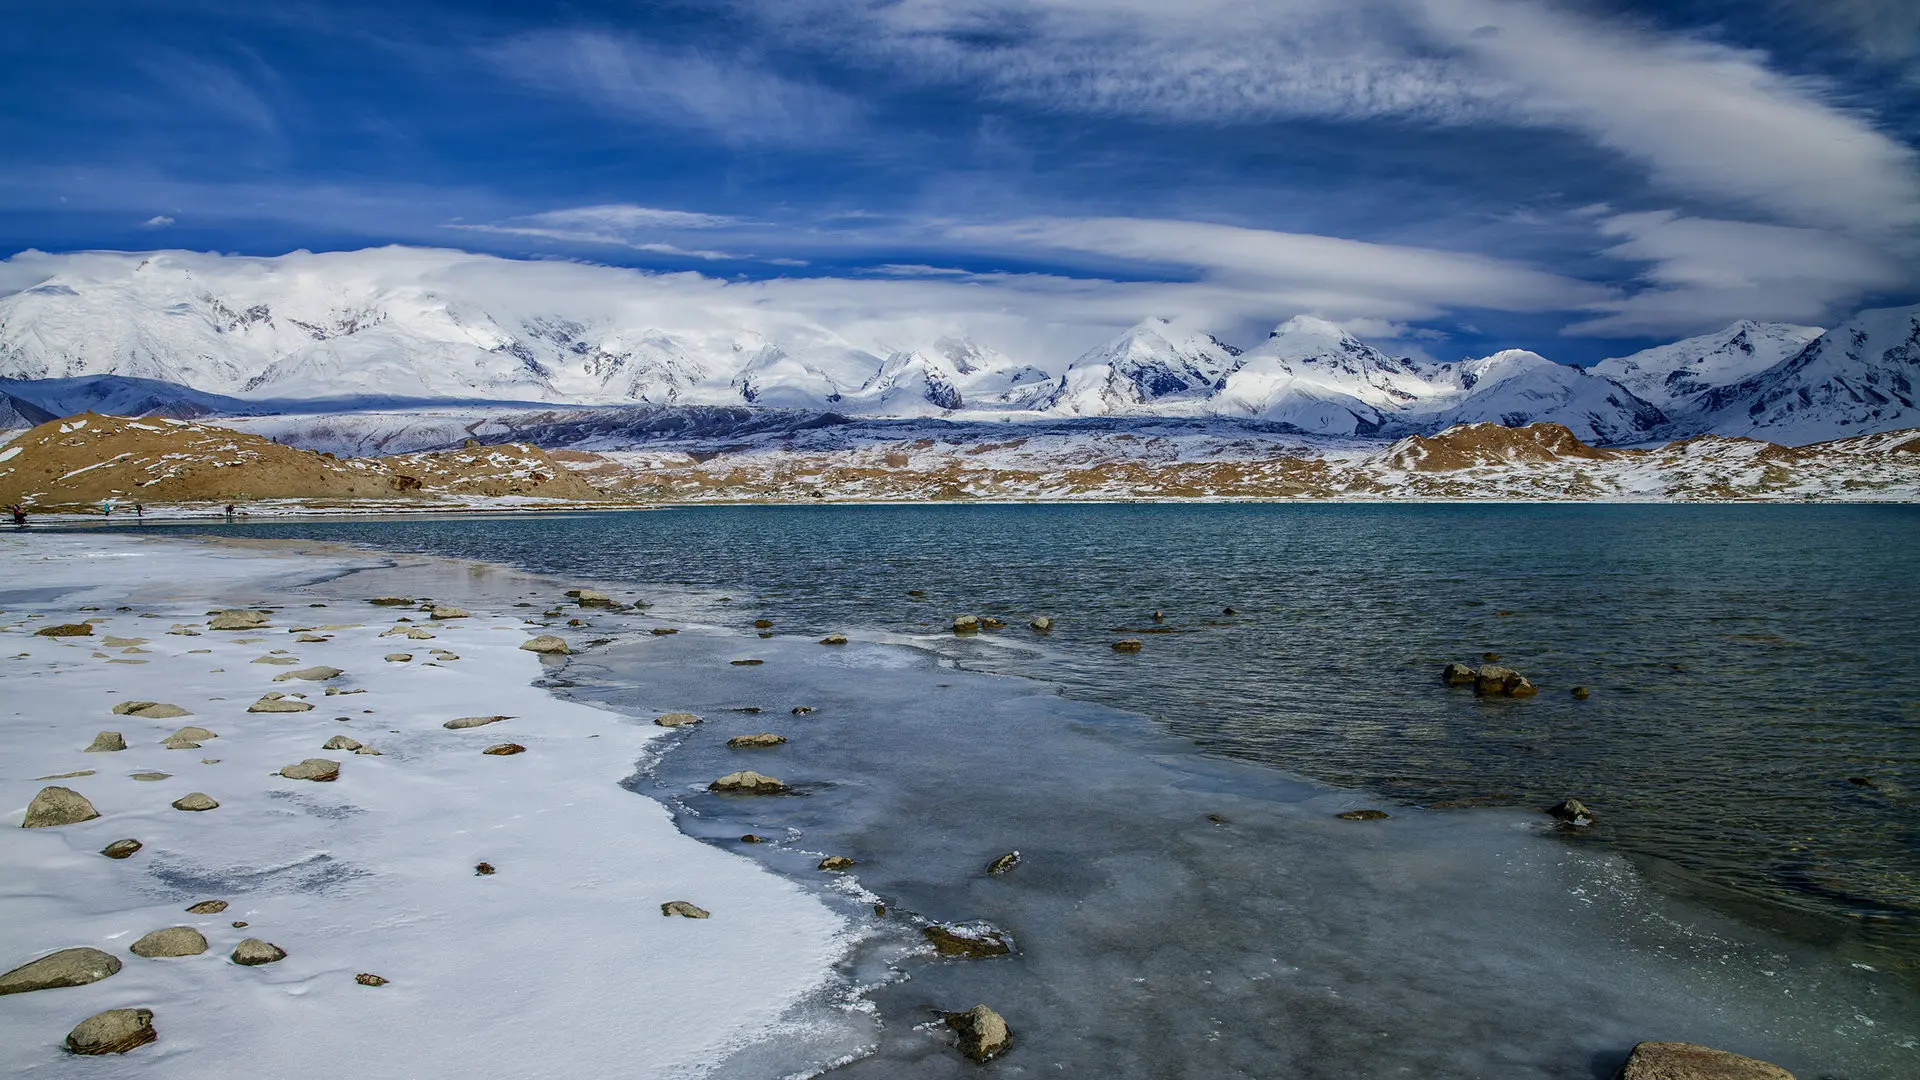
{"x": 620, "y": 225}
{"x": 733, "y": 99}
{"x": 1704, "y": 274}
{"x": 157, "y": 221}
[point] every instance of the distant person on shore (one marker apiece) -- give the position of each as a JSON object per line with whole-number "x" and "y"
{"x": 139, "y": 511}
{"x": 106, "y": 507}
{"x": 229, "y": 513}
{"x": 19, "y": 515}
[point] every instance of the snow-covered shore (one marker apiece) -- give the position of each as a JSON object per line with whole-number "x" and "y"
{"x": 560, "y": 963}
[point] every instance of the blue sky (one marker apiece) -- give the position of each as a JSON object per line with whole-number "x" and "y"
{"x": 1446, "y": 176}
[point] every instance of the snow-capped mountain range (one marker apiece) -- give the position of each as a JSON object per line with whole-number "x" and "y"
{"x": 358, "y": 329}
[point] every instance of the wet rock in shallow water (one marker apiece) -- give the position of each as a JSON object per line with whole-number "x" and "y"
{"x": 663, "y": 631}
{"x": 682, "y": 909}
{"x": 253, "y": 952}
{"x": 367, "y": 978}
{"x": 748, "y": 782}
{"x": 754, "y": 742}
{"x": 313, "y": 674}
{"x": 237, "y": 619}
{"x": 836, "y": 862}
{"x": 752, "y": 839}
{"x": 115, "y": 1031}
{"x": 548, "y": 644}
{"x": 197, "y": 800}
{"x": 763, "y": 624}
{"x": 1127, "y": 645}
{"x": 55, "y": 806}
{"x": 276, "y": 702}
{"x": 121, "y": 849}
{"x": 1041, "y": 624}
{"x": 746, "y": 663}
{"x": 460, "y": 722}
{"x": 968, "y": 940}
{"x": 984, "y": 1034}
{"x": 1458, "y": 675}
{"x": 391, "y": 601}
{"x": 172, "y": 941}
{"x": 1573, "y": 812}
{"x": 505, "y": 749}
{"x": 801, "y": 710}
{"x": 966, "y": 624}
{"x": 677, "y": 719}
{"x": 316, "y": 769}
{"x": 151, "y": 710}
{"x": 68, "y": 967}
{"x": 834, "y": 639}
{"x": 187, "y": 738}
{"x": 1581, "y": 693}
{"x": 78, "y": 629}
{"x": 1004, "y": 863}
{"x": 1493, "y": 680}
{"x": 106, "y": 743}
{"x": 988, "y": 622}
{"x": 208, "y": 907}
{"x": 1686, "y": 1061}
{"x": 1364, "y": 815}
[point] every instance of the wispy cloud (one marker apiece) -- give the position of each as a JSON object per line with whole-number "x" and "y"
{"x": 207, "y": 88}
{"x": 733, "y": 99}
{"x": 157, "y": 221}
{"x": 1703, "y": 273}
{"x": 639, "y": 228}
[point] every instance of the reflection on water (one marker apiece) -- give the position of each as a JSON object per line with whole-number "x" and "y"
{"x": 1754, "y": 718}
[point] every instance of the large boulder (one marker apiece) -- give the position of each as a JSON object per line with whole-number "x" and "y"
{"x": 115, "y": 1031}
{"x": 317, "y": 769}
{"x": 547, "y": 644}
{"x": 1573, "y": 812}
{"x": 1685, "y": 1061}
{"x": 253, "y": 952}
{"x": 966, "y": 624}
{"x": 237, "y": 619}
{"x": 107, "y": 742}
{"x": 748, "y": 782}
{"x": 1459, "y": 675}
{"x": 983, "y": 1033}
{"x": 172, "y": 941}
{"x": 56, "y": 805}
{"x": 1492, "y": 680}
{"x": 151, "y": 710}
{"x": 68, "y": 967}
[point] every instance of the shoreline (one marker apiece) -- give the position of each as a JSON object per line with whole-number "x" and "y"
{"x": 553, "y": 964}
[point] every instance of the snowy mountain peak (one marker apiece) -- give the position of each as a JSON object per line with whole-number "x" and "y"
{"x": 1148, "y": 363}
{"x": 1862, "y": 376}
{"x": 1673, "y": 376}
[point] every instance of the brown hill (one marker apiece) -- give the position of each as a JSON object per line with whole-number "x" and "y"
{"x": 87, "y": 458}
{"x": 1469, "y": 445}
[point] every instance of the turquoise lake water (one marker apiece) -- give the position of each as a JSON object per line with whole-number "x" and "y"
{"x": 1753, "y": 729}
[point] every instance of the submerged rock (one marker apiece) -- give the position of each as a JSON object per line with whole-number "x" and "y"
{"x": 121, "y": 849}
{"x": 754, "y": 742}
{"x": 55, "y": 806}
{"x": 683, "y": 909}
{"x": 237, "y": 619}
{"x": 1364, "y": 815}
{"x": 1127, "y": 645}
{"x": 391, "y": 601}
{"x": 172, "y": 941}
{"x": 115, "y": 1031}
{"x": 107, "y": 742}
{"x": 836, "y": 862}
{"x": 968, "y": 940}
{"x": 68, "y": 967}
{"x": 152, "y": 710}
{"x": 1573, "y": 812}
{"x": 1686, "y": 1061}
{"x": 1004, "y": 863}
{"x": 253, "y": 952}
{"x": 748, "y": 782}
{"x": 320, "y": 770}
{"x": 984, "y": 1034}
{"x": 276, "y": 702}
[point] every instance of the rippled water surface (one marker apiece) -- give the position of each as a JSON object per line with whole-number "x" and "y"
{"x": 1753, "y": 730}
